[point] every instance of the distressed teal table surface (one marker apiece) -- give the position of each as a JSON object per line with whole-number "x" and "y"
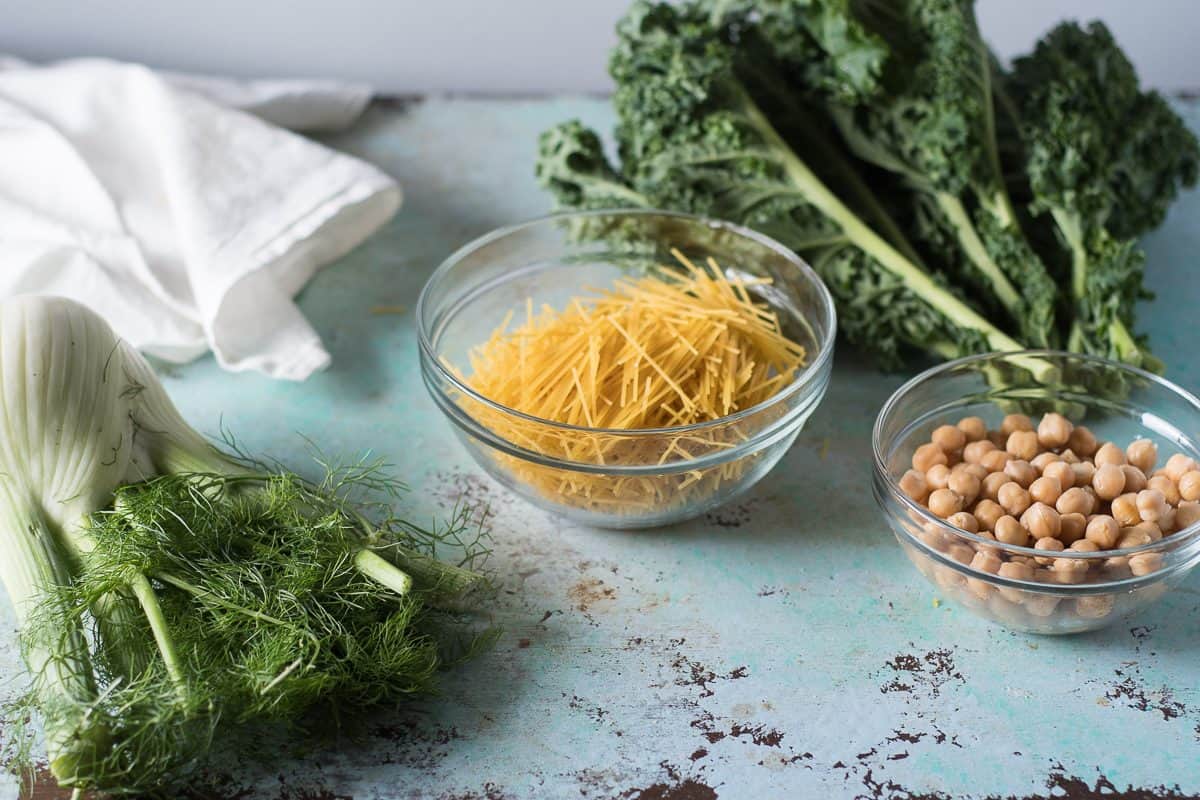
{"x": 780, "y": 647}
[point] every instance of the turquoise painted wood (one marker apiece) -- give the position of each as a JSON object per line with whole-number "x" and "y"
{"x": 780, "y": 647}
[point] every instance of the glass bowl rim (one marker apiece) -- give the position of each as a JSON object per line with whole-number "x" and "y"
{"x": 802, "y": 379}
{"x": 1174, "y": 541}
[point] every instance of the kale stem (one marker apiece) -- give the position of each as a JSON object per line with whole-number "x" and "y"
{"x": 1072, "y": 230}
{"x": 877, "y": 247}
{"x": 158, "y": 626}
{"x": 383, "y": 572}
{"x": 968, "y": 237}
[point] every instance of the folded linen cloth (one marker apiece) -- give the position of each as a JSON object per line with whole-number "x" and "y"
{"x": 176, "y": 207}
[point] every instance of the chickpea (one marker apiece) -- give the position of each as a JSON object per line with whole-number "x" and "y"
{"x": 933, "y": 536}
{"x": 1145, "y": 563}
{"x": 1179, "y": 465}
{"x": 949, "y": 438}
{"x": 1014, "y": 499}
{"x": 1071, "y": 528}
{"x": 1151, "y": 505}
{"x": 1069, "y": 456}
{"x": 948, "y": 577}
{"x": 1187, "y": 515}
{"x": 1109, "y": 453}
{"x": 1041, "y": 605}
{"x": 997, "y": 438}
{"x": 1042, "y": 460}
{"x": 986, "y": 513}
{"x": 1151, "y": 529}
{"x": 1046, "y": 490}
{"x": 1009, "y": 531}
{"x": 1082, "y": 441}
{"x": 1125, "y": 510}
{"x": 1168, "y": 487}
{"x": 974, "y": 452}
{"x": 927, "y": 456}
{"x": 986, "y": 561}
{"x": 1054, "y": 431}
{"x": 1103, "y": 531}
{"x": 1042, "y": 522}
{"x": 990, "y": 488}
{"x": 944, "y": 502}
{"x": 1005, "y": 603}
{"x": 1084, "y": 472}
{"x": 913, "y": 484}
{"x": 1166, "y": 523}
{"x": 1015, "y": 422}
{"x": 1143, "y": 454}
{"x": 961, "y": 553}
{"x": 1073, "y": 501}
{"x": 1063, "y": 472}
{"x": 1132, "y": 537}
{"x": 995, "y": 461}
{"x": 1084, "y": 546}
{"x": 980, "y": 589}
{"x": 1022, "y": 444}
{"x": 1042, "y": 574}
{"x": 978, "y": 470}
{"x": 1016, "y": 571}
{"x": 1189, "y": 485}
{"x": 965, "y": 521}
{"x": 973, "y": 428}
{"x": 1095, "y": 606}
{"x": 1135, "y": 479}
{"x": 1109, "y": 481}
{"x": 938, "y": 477}
{"x": 1070, "y": 570}
{"x": 1117, "y": 567}
{"x": 1021, "y": 472}
{"x": 953, "y": 457}
{"x": 966, "y": 486}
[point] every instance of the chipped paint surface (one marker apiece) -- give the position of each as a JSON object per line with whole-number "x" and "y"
{"x": 782, "y": 646}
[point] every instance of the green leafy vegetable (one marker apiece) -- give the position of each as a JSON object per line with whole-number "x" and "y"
{"x": 1104, "y": 160}
{"x": 933, "y": 124}
{"x": 166, "y": 590}
{"x": 694, "y": 137}
{"x": 883, "y": 142}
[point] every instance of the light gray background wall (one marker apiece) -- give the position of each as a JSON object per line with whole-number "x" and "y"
{"x": 481, "y": 45}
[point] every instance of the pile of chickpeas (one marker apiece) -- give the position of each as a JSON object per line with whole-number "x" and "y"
{"x": 1055, "y": 488}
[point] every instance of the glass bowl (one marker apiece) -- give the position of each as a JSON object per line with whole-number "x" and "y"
{"x": 645, "y": 477}
{"x": 1118, "y": 403}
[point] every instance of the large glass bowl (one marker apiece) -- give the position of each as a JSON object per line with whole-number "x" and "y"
{"x": 647, "y": 477}
{"x": 1118, "y": 403}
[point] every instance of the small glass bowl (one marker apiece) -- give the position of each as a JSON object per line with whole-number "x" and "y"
{"x": 1080, "y": 591}
{"x": 645, "y": 477}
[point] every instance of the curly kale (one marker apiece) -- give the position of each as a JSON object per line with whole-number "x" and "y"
{"x": 693, "y": 136}
{"x": 1104, "y": 160}
{"x": 883, "y": 141}
{"x": 933, "y": 124}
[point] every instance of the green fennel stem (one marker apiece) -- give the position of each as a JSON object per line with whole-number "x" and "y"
{"x": 34, "y": 563}
{"x": 158, "y": 626}
{"x": 383, "y": 572}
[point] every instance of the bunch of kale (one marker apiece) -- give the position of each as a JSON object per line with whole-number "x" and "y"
{"x": 951, "y": 205}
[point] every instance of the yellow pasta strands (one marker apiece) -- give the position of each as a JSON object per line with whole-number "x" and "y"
{"x": 682, "y": 346}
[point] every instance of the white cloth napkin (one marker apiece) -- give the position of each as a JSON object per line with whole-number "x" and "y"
{"x": 176, "y": 207}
